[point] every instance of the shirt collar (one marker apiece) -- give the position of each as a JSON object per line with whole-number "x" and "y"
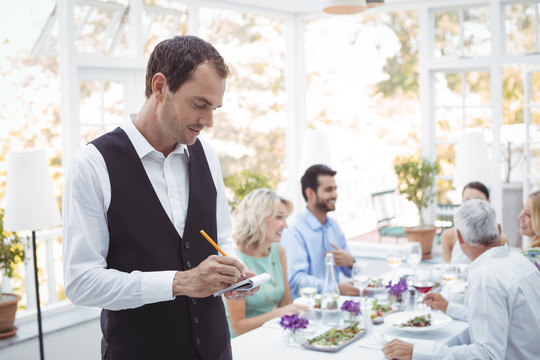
{"x": 494, "y": 252}
{"x": 141, "y": 145}
{"x": 312, "y": 221}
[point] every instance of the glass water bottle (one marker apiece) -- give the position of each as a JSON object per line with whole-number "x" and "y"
{"x": 330, "y": 294}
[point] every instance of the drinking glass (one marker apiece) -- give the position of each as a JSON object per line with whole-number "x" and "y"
{"x": 422, "y": 283}
{"x": 414, "y": 255}
{"x": 449, "y": 276}
{"x": 393, "y": 258}
{"x": 308, "y": 291}
{"x": 360, "y": 275}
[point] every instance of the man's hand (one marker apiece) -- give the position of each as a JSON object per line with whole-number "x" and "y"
{"x": 348, "y": 288}
{"x": 436, "y": 301}
{"x": 397, "y": 349}
{"x": 341, "y": 257}
{"x": 213, "y": 274}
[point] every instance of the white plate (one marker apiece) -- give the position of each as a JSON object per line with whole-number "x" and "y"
{"x": 438, "y": 321}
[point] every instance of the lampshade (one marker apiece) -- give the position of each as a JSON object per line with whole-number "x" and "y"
{"x": 344, "y": 7}
{"x": 30, "y": 200}
{"x": 373, "y": 3}
{"x": 472, "y": 161}
{"x": 315, "y": 150}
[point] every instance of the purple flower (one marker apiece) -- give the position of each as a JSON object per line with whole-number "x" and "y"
{"x": 293, "y": 322}
{"x": 351, "y": 306}
{"x": 398, "y": 289}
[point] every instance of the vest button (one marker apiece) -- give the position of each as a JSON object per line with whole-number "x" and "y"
{"x": 196, "y": 320}
{"x": 186, "y": 245}
{"x": 194, "y": 302}
{"x": 188, "y": 263}
{"x": 198, "y": 341}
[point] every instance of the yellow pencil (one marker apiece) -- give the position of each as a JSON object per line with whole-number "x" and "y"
{"x": 213, "y": 243}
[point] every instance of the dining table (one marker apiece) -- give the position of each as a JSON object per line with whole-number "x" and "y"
{"x": 267, "y": 341}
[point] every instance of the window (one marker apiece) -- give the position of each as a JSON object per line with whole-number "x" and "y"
{"x": 462, "y": 32}
{"x": 522, "y": 27}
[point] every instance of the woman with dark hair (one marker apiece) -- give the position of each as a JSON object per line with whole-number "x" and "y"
{"x": 451, "y": 252}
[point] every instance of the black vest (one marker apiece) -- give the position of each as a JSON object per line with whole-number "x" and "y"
{"x": 143, "y": 238}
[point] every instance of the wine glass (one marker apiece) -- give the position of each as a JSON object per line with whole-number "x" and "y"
{"x": 422, "y": 283}
{"x": 393, "y": 258}
{"x": 414, "y": 255}
{"x": 449, "y": 276}
{"x": 360, "y": 275}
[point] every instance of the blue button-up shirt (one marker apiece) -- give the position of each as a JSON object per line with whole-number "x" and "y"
{"x": 305, "y": 242}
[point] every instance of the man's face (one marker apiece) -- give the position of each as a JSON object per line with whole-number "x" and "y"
{"x": 326, "y": 194}
{"x": 183, "y": 114}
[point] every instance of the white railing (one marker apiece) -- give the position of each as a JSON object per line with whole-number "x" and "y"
{"x": 51, "y": 283}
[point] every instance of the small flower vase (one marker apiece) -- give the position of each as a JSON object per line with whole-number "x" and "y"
{"x": 350, "y": 318}
{"x": 293, "y": 337}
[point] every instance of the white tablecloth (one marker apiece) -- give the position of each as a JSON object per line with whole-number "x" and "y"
{"x": 266, "y": 342}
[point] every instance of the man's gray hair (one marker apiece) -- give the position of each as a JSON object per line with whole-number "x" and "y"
{"x": 476, "y": 222}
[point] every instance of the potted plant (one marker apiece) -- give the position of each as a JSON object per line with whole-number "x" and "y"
{"x": 11, "y": 253}
{"x": 416, "y": 180}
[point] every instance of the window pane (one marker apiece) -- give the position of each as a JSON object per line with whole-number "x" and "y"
{"x": 444, "y": 190}
{"x": 448, "y": 124}
{"x": 448, "y": 89}
{"x": 512, "y": 95}
{"x": 477, "y": 88}
{"x": 160, "y": 26}
{"x": 96, "y": 26}
{"x": 90, "y": 103}
{"x": 249, "y": 130}
{"x": 535, "y": 88}
{"x": 476, "y": 118}
{"x": 446, "y": 155}
{"x": 476, "y": 32}
{"x": 447, "y": 33}
{"x": 519, "y": 27}
{"x": 89, "y": 133}
{"x": 113, "y": 104}
{"x": 535, "y": 117}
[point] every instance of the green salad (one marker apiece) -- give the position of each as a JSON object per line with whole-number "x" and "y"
{"x": 335, "y": 337}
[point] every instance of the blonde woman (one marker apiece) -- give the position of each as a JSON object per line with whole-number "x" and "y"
{"x": 529, "y": 225}
{"x": 258, "y": 222}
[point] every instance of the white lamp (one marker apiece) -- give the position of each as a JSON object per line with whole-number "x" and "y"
{"x": 30, "y": 204}
{"x": 344, "y": 7}
{"x": 472, "y": 161}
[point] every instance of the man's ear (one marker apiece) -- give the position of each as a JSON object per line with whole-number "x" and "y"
{"x": 310, "y": 193}
{"x": 460, "y": 238}
{"x": 159, "y": 83}
{"x": 500, "y": 231}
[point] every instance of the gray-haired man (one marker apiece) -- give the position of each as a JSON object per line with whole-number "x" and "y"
{"x": 501, "y": 305}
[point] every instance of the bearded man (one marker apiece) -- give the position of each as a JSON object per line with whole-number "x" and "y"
{"x": 313, "y": 233}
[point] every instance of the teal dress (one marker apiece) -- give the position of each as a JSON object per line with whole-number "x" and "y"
{"x": 271, "y": 292}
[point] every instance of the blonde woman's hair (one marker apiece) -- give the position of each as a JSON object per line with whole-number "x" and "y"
{"x": 251, "y": 215}
{"x": 534, "y": 199}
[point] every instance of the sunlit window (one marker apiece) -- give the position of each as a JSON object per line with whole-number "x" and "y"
{"x": 522, "y": 27}
{"x": 462, "y": 32}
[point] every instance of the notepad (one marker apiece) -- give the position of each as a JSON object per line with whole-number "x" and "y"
{"x": 247, "y": 284}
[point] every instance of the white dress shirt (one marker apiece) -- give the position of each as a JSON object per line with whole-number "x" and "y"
{"x": 503, "y": 309}
{"x": 86, "y": 199}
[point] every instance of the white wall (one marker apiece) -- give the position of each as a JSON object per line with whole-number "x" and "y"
{"x": 81, "y": 342}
